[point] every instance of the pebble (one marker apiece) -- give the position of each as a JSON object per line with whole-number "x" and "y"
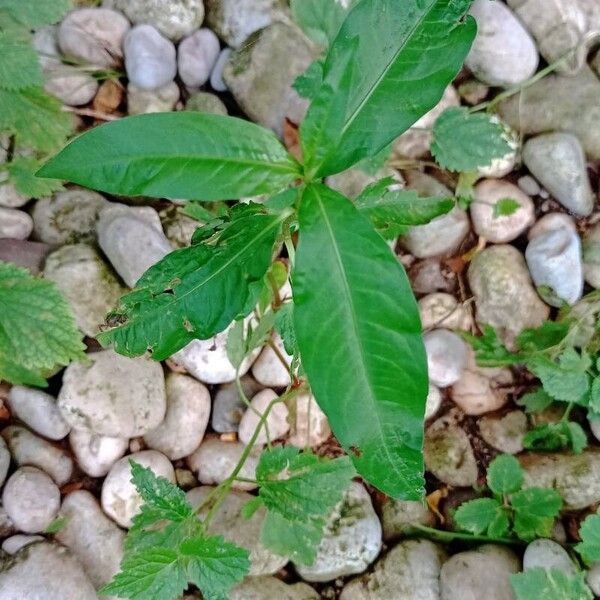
{"x": 86, "y": 282}
{"x": 10, "y": 198}
{"x": 593, "y": 578}
{"x": 7, "y": 527}
{"x": 353, "y": 181}
{"x": 500, "y": 229}
{"x": 162, "y": 99}
{"x": 309, "y": 424}
{"x": 267, "y": 368}
{"x": 93, "y": 36}
{"x": 196, "y": 57}
{"x": 4, "y": 461}
{"x": 482, "y": 573}
{"x": 188, "y": 410}
{"x": 398, "y": 517}
{"x": 547, "y": 554}
{"x": 446, "y": 356}
{"x": 207, "y": 103}
{"x": 178, "y": 228}
{"x": 69, "y": 84}
{"x": 268, "y": 588}
{"x": 31, "y": 499}
{"x": 150, "y": 59}
{"x": 45, "y": 571}
{"x": 68, "y": 217}
{"x": 557, "y": 161}
{"x": 14, "y": 543}
{"x": 29, "y": 449}
{"x": 215, "y": 460}
{"x": 551, "y": 222}
{"x": 434, "y": 401}
{"x": 92, "y": 537}
{"x": 119, "y": 498}
{"x": 96, "y": 454}
{"x": 443, "y": 310}
{"x": 555, "y": 263}
{"x": 528, "y": 185}
{"x": 276, "y": 425}
{"x": 504, "y": 433}
{"x": 217, "y": 82}
{"x": 591, "y": 256}
{"x": 38, "y": 410}
{"x": 427, "y": 277}
{"x": 113, "y": 395}
{"x": 15, "y": 224}
{"x": 503, "y": 53}
{"x": 410, "y": 571}
{"x": 503, "y": 165}
{"x": 228, "y": 407}
{"x": 504, "y": 295}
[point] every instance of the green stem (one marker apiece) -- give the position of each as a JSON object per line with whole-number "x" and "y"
{"x": 449, "y": 536}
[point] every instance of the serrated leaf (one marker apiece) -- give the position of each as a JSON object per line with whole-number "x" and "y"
{"x": 589, "y": 532}
{"x": 37, "y": 327}
{"x": 500, "y": 525}
{"x": 556, "y": 436}
{"x": 320, "y": 19}
{"x": 348, "y": 282}
{"x": 14, "y": 373}
{"x": 35, "y": 14}
{"x": 388, "y": 65}
{"x": 489, "y": 349}
{"x": 550, "y": 584}
{"x": 196, "y": 292}
{"x": 595, "y": 395}
{"x": 505, "y": 207}
{"x": 535, "y": 510}
{"x": 20, "y": 67}
{"x": 536, "y": 401}
{"x": 191, "y": 155}
{"x": 465, "y": 141}
{"x": 308, "y": 83}
{"x": 548, "y": 335}
{"x": 476, "y": 516}
{"x": 22, "y": 174}
{"x": 505, "y": 475}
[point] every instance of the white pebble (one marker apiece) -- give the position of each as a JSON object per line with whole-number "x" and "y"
{"x": 96, "y": 454}
{"x": 216, "y": 77}
{"x": 15, "y": 224}
{"x": 196, "y": 57}
{"x": 276, "y": 422}
{"x": 446, "y": 357}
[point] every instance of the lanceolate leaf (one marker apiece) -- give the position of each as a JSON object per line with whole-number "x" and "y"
{"x": 320, "y": 19}
{"x": 195, "y": 292}
{"x": 196, "y": 156}
{"x": 359, "y": 335}
{"x": 388, "y": 65}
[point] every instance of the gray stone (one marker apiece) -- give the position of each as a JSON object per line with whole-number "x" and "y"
{"x": 591, "y": 256}
{"x": 113, "y": 395}
{"x": 269, "y": 588}
{"x": 433, "y": 402}
{"x": 178, "y": 227}
{"x": 10, "y": 198}
{"x": 96, "y": 454}
{"x": 558, "y": 162}
{"x": 260, "y": 75}
{"x": 443, "y": 310}
{"x": 309, "y": 424}
{"x": 69, "y": 84}
{"x": 15, "y": 224}
{"x": 504, "y": 295}
{"x": 505, "y": 433}
{"x": 503, "y": 53}
{"x": 276, "y": 424}
{"x": 206, "y": 102}
{"x": 150, "y": 59}
{"x": 162, "y": 99}
{"x": 196, "y": 56}
{"x": 217, "y": 82}
{"x": 353, "y": 181}
{"x": 14, "y": 543}
{"x": 29, "y": 255}
{"x": 551, "y": 222}
{"x": 4, "y": 461}
{"x": 268, "y": 369}
{"x": 547, "y": 554}
{"x": 228, "y": 407}
{"x": 398, "y": 517}
{"x": 446, "y": 356}
{"x": 593, "y": 578}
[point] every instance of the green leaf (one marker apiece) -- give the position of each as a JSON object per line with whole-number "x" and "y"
{"x": 388, "y": 65}
{"x": 22, "y": 69}
{"x": 57, "y": 524}
{"x": 353, "y": 304}
{"x": 556, "y": 436}
{"x": 535, "y": 511}
{"x": 476, "y": 516}
{"x": 549, "y": 584}
{"x": 22, "y": 174}
{"x": 284, "y": 324}
{"x": 536, "y": 401}
{"x": 595, "y": 395}
{"x": 489, "y": 350}
{"x": 191, "y": 155}
{"x": 236, "y": 344}
{"x": 195, "y": 210}
{"x": 196, "y": 292}
{"x": 505, "y": 475}
{"x": 35, "y": 14}
{"x": 37, "y": 327}
{"x": 308, "y": 83}
{"x": 589, "y": 532}
{"x": 320, "y": 19}
{"x": 505, "y": 207}
{"x": 465, "y": 141}
{"x": 548, "y": 335}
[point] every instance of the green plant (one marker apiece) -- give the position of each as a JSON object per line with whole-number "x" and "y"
{"x": 550, "y": 584}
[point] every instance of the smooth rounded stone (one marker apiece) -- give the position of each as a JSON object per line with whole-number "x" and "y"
{"x": 504, "y": 295}
{"x": 557, "y": 161}
{"x": 434, "y": 401}
{"x": 162, "y": 99}
{"x": 351, "y": 541}
{"x": 69, "y": 84}
{"x": 234, "y": 21}
{"x": 556, "y": 267}
{"x": 261, "y": 73}
{"x": 15, "y": 224}
{"x": 428, "y": 276}
{"x": 552, "y": 222}
{"x": 268, "y": 369}
{"x": 547, "y": 554}
{"x": 228, "y": 407}
{"x": 503, "y": 53}
{"x": 174, "y": 19}
{"x": 119, "y": 498}
{"x": 10, "y": 198}
{"x": 45, "y": 43}
{"x": 93, "y": 36}
{"x": 591, "y": 256}
{"x": 446, "y": 356}
{"x": 86, "y": 282}
{"x": 207, "y": 103}
{"x": 113, "y": 395}
{"x": 503, "y": 165}
{"x": 410, "y": 571}
{"x": 31, "y": 499}
{"x": 229, "y": 522}
{"x": 353, "y": 181}
{"x": 188, "y": 410}
{"x": 528, "y": 185}
{"x": 440, "y": 237}
{"x": 68, "y": 217}
{"x": 276, "y": 425}
{"x": 481, "y": 573}
{"x": 38, "y": 410}
{"x": 448, "y": 452}
{"x": 4, "y": 461}
{"x": 29, "y": 449}
{"x": 14, "y": 543}
{"x": 500, "y": 229}
{"x": 595, "y": 427}
{"x": 215, "y": 460}
{"x": 269, "y": 588}
{"x": 505, "y": 433}
{"x": 196, "y": 57}
{"x": 96, "y": 454}
{"x": 92, "y": 537}
{"x": 593, "y": 578}
{"x": 132, "y": 239}
{"x": 309, "y": 424}
{"x": 443, "y": 310}
{"x": 398, "y": 517}
{"x": 150, "y": 59}
{"x": 217, "y": 83}
{"x": 7, "y": 527}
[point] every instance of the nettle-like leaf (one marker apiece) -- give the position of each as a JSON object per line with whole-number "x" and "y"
{"x": 505, "y": 475}
{"x": 22, "y": 174}
{"x": 20, "y": 67}
{"x": 37, "y": 327}
{"x": 465, "y": 141}
{"x": 483, "y": 515}
{"x": 196, "y": 292}
{"x": 489, "y": 349}
{"x": 33, "y": 14}
{"x": 535, "y": 401}
{"x": 353, "y": 304}
{"x": 534, "y": 512}
{"x": 320, "y": 19}
{"x": 550, "y": 584}
{"x": 589, "y": 547}
{"x": 388, "y": 65}
{"x": 556, "y": 436}
{"x": 191, "y": 155}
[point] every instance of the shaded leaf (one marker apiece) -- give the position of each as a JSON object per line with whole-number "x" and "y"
{"x": 22, "y": 69}
{"x": 535, "y": 511}
{"x": 536, "y": 401}
{"x": 505, "y": 475}
{"x": 22, "y": 174}
{"x": 550, "y": 584}
{"x": 589, "y": 532}
{"x": 556, "y": 436}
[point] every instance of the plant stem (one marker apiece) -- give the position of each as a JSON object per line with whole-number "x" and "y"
{"x": 449, "y": 536}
